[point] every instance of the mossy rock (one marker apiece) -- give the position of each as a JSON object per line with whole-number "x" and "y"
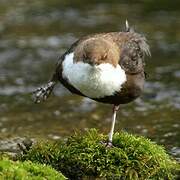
{"x": 85, "y": 156}
{"x": 15, "y": 170}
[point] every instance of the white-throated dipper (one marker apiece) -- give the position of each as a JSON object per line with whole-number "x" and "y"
{"x": 105, "y": 67}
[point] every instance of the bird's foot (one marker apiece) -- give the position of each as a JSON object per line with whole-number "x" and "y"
{"x": 42, "y": 93}
{"x": 107, "y": 144}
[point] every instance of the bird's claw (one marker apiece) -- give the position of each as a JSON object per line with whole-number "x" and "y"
{"x": 107, "y": 144}
{"x": 42, "y": 93}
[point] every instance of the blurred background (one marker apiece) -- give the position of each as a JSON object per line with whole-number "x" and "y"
{"x": 34, "y": 33}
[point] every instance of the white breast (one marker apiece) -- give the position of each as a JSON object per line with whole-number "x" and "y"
{"x": 93, "y": 81}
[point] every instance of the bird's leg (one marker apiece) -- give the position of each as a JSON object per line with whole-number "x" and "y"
{"x": 43, "y": 92}
{"x": 115, "y": 109}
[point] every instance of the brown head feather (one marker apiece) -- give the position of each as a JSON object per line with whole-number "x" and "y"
{"x": 97, "y": 50}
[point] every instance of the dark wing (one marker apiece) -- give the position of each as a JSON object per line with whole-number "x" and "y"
{"x": 133, "y": 52}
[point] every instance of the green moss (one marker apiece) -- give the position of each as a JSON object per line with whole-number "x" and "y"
{"x": 131, "y": 157}
{"x": 27, "y": 170}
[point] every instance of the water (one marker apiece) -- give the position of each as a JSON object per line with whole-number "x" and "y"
{"x": 34, "y": 34}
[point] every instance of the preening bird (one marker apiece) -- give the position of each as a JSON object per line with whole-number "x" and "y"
{"x": 105, "y": 67}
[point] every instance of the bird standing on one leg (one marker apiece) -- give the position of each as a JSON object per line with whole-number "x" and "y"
{"x": 106, "y": 67}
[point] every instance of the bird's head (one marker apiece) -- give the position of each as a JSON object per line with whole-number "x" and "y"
{"x": 96, "y": 51}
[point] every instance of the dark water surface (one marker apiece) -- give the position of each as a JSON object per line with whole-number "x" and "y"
{"x": 33, "y": 34}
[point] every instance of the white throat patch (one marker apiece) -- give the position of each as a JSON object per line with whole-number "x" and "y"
{"x": 93, "y": 81}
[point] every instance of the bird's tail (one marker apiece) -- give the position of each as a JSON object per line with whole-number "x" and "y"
{"x": 128, "y": 28}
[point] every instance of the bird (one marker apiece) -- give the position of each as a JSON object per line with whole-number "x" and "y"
{"x": 105, "y": 67}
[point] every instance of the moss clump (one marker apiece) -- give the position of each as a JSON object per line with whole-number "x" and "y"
{"x": 27, "y": 170}
{"x": 82, "y": 156}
